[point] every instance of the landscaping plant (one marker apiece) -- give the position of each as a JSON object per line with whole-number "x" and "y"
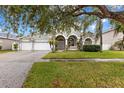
{"x": 15, "y": 46}
{"x": 53, "y": 44}
{"x": 119, "y": 45}
{"x": 91, "y": 48}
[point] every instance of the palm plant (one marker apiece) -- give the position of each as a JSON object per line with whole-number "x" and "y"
{"x": 15, "y": 46}
{"x": 52, "y": 42}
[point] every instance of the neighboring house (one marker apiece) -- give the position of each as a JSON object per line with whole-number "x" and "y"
{"x": 109, "y": 39}
{"x": 6, "y": 41}
{"x": 40, "y": 42}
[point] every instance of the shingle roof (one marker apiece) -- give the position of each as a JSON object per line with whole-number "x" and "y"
{"x": 5, "y": 35}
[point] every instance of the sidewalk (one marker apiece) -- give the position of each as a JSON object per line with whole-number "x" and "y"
{"x": 88, "y": 59}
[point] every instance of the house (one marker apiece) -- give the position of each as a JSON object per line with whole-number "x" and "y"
{"x": 7, "y": 40}
{"x": 40, "y": 42}
{"x": 64, "y": 39}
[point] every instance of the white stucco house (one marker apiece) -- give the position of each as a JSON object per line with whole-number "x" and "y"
{"x": 40, "y": 42}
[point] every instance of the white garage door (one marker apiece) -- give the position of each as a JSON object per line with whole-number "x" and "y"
{"x": 37, "y": 46}
{"x": 41, "y": 46}
{"x": 26, "y": 46}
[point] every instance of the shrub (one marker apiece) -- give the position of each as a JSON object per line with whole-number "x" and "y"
{"x": 15, "y": 46}
{"x": 53, "y": 44}
{"x": 0, "y": 47}
{"x": 117, "y": 45}
{"x": 91, "y": 48}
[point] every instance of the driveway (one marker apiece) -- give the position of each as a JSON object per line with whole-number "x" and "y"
{"x": 14, "y": 67}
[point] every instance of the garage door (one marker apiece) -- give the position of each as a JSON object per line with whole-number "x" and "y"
{"x": 37, "y": 46}
{"x": 41, "y": 46}
{"x": 26, "y": 46}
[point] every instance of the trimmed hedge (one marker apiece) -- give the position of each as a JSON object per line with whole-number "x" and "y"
{"x": 91, "y": 48}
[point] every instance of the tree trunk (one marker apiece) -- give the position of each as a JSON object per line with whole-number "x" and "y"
{"x": 123, "y": 41}
{"x": 80, "y": 44}
{"x": 100, "y": 33}
{"x": 101, "y": 43}
{"x": 32, "y": 45}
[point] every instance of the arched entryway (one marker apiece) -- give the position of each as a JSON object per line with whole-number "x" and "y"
{"x": 88, "y": 41}
{"x": 72, "y": 41}
{"x": 60, "y": 42}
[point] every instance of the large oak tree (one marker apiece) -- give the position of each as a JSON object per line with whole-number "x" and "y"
{"x": 56, "y": 17}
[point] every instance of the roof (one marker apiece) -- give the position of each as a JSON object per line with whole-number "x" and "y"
{"x": 4, "y": 35}
{"x": 9, "y": 39}
{"x": 108, "y": 31}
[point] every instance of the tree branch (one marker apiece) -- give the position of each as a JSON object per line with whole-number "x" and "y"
{"x": 105, "y": 13}
{"x": 98, "y": 14}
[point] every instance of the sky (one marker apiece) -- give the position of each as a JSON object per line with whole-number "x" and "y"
{"x": 106, "y": 24}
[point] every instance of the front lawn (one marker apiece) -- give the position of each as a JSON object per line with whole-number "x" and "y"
{"x": 75, "y": 75}
{"x": 5, "y": 51}
{"x": 81, "y": 54}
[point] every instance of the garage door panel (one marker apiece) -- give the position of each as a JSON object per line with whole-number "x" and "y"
{"x": 26, "y": 46}
{"x": 37, "y": 46}
{"x": 41, "y": 46}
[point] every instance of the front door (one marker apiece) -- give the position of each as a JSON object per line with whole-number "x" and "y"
{"x": 60, "y": 45}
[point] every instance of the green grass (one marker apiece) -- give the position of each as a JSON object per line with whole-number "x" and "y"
{"x": 75, "y": 75}
{"x": 81, "y": 54}
{"x": 5, "y": 51}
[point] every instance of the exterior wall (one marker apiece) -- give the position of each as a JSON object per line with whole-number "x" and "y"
{"x": 109, "y": 39}
{"x": 6, "y": 43}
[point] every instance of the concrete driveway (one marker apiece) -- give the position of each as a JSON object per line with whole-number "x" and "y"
{"x": 14, "y": 67}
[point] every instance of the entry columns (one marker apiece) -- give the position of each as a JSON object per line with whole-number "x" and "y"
{"x": 66, "y": 43}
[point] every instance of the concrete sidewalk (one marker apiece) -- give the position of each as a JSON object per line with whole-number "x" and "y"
{"x": 88, "y": 59}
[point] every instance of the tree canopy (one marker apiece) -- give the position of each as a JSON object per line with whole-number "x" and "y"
{"x": 59, "y": 18}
